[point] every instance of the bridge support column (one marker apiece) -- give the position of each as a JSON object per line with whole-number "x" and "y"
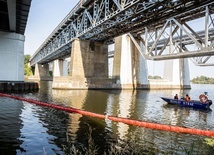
{"x": 177, "y": 72}
{"x": 140, "y": 69}
{"x": 41, "y": 72}
{"x": 185, "y": 78}
{"x": 88, "y": 67}
{"x": 65, "y": 68}
{"x": 129, "y": 68}
{"x": 60, "y": 68}
{"x": 11, "y": 56}
{"x": 89, "y": 60}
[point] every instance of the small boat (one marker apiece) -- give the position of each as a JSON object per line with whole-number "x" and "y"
{"x": 199, "y": 104}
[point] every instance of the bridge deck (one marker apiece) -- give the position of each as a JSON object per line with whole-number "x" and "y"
{"x": 13, "y": 16}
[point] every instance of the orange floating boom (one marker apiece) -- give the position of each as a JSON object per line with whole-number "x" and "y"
{"x": 118, "y": 119}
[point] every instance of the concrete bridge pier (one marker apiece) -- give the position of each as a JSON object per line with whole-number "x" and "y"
{"x": 60, "y": 68}
{"x": 11, "y": 57}
{"x": 129, "y": 67}
{"x": 176, "y": 71}
{"x": 12, "y": 63}
{"x": 88, "y": 67}
{"x": 41, "y": 72}
{"x": 65, "y": 68}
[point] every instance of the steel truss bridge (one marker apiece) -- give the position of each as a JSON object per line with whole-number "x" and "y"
{"x": 158, "y": 24}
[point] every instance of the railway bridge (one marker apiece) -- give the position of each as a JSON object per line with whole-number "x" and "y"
{"x": 140, "y": 30}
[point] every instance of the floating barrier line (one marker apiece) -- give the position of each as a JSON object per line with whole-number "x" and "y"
{"x": 117, "y": 119}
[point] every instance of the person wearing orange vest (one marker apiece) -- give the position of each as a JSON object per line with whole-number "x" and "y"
{"x": 187, "y": 98}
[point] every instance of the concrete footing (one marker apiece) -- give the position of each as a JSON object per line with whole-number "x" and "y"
{"x": 166, "y": 84}
{"x": 81, "y": 83}
{"x": 18, "y": 86}
{"x": 36, "y": 78}
{"x": 93, "y": 83}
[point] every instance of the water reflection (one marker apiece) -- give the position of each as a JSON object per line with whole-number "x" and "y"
{"x": 142, "y": 105}
{"x": 74, "y": 99}
{"x": 10, "y": 117}
{"x": 44, "y": 91}
{"x": 123, "y": 103}
{"x": 40, "y": 130}
{"x": 35, "y": 132}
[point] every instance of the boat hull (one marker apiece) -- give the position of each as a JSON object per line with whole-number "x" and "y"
{"x": 192, "y": 103}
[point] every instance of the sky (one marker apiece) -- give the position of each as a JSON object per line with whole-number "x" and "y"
{"x": 44, "y": 17}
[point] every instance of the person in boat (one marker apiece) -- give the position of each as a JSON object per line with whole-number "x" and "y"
{"x": 176, "y": 96}
{"x": 187, "y": 98}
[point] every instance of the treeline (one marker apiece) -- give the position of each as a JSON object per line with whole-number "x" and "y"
{"x": 197, "y": 80}
{"x": 202, "y": 80}
{"x": 154, "y": 77}
{"x": 27, "y": 68}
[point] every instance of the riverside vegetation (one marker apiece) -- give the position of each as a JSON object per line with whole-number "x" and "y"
{"x": 130, "y": 147}
{"x": 197, "y": 80}
{"x": 27, "y": 68}
{"x": 203, "y": 80}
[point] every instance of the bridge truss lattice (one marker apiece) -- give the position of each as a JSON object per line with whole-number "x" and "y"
{"x": 102, "y": 20}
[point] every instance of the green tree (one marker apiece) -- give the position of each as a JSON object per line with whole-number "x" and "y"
{"x": 27, "y": 68}
{"x": 157, "y": 77}
{"x": 203, "y": 80}
{"x": 154, "y": 77}
{"x": 27, "y": 59}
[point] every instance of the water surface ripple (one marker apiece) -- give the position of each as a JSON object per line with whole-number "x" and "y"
{"x": 30, "y": 129}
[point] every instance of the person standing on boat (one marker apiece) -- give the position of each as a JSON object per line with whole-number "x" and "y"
{"x": 187, "y": 98}
{"x": 176, "y": 96}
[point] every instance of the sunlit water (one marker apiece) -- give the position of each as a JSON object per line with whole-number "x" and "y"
{"x": 29, "y": 129}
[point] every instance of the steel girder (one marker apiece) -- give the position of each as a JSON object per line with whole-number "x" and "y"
{"x": 102, "y": 20}
{"x": 177, "y": 39}
{"x": 209, "y": 41}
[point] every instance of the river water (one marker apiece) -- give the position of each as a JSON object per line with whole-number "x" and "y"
{"x": 30, "y": 129}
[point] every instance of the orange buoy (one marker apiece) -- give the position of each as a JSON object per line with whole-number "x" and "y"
{"x": 140, "y": 123}
{"x": 203, "y": 98}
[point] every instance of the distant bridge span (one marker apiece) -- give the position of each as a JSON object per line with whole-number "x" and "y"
{"x": 102, "y": 20}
